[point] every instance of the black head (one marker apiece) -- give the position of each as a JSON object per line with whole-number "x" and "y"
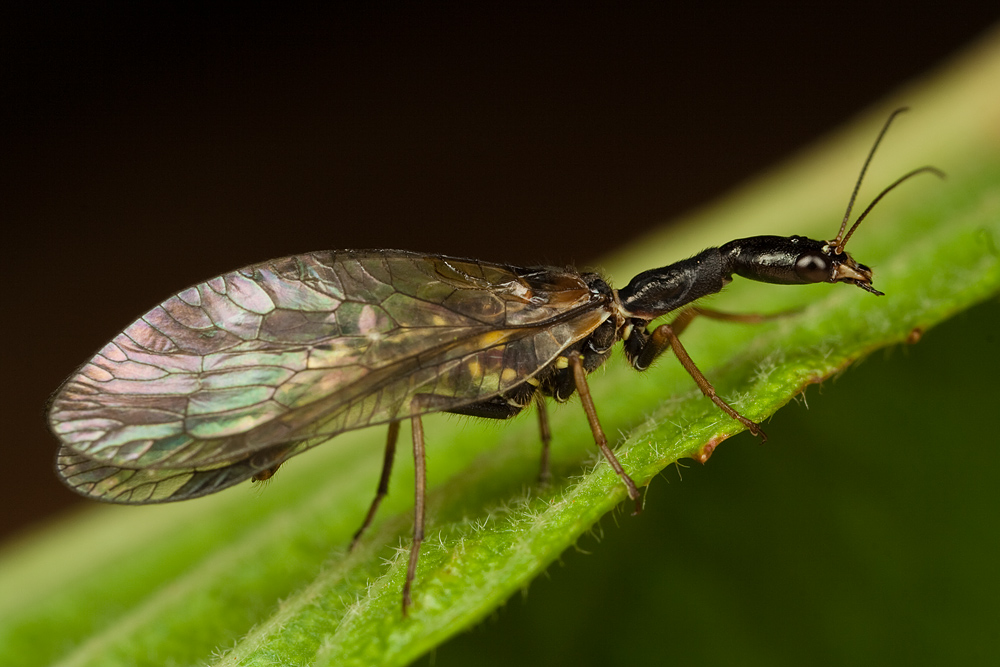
{"x": 797, "y": 260}
{"x": 794, "y": 260}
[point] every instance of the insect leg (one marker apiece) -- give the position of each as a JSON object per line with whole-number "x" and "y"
{"x": 580, "y": 377}
{"x": 745, "y": 318}
{"x": 420, "y": 467}
{"x": 665, "y": 336}
{"x": 383, "y": 482}
{"x": 682, "y": 321}
{"x": 544, "y": 474}
{"x": 510, "y": 405}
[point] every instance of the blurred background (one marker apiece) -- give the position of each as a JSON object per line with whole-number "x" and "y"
{"x": 147, "y": 149}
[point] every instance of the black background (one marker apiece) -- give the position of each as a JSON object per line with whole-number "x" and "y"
{"x": 144, "y": 150}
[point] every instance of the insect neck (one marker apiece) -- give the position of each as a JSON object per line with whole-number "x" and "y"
{"x": 658, "y": 291}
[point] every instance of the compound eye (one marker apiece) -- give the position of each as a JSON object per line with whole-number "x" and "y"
{"x": 813, "y": 267}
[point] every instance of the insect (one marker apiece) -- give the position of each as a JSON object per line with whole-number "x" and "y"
{"x": 226, "y": 380}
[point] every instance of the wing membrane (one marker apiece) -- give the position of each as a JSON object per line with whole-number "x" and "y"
{"x": 228, "y": 377}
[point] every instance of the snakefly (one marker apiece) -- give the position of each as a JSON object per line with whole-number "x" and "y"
{"x": 226, "y": 380}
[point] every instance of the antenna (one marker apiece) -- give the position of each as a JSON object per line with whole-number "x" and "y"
{"x": 838, "y": 243}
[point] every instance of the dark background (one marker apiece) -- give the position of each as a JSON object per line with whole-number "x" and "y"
{"x": 146, "y": 150}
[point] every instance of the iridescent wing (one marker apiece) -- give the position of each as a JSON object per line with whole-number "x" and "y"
{"x": 236, "y": 374}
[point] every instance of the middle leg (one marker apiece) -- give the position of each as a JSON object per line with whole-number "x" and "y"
{"x": 580, "y": 378}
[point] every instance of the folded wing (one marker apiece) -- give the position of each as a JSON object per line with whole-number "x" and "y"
{"x": 236, "y": 374}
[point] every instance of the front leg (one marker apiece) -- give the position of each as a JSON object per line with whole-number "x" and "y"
{"x": 637, "y": 345}
{"x": 643, "y": 348}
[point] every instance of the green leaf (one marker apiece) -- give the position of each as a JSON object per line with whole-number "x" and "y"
{"x": 261, "y": 578}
